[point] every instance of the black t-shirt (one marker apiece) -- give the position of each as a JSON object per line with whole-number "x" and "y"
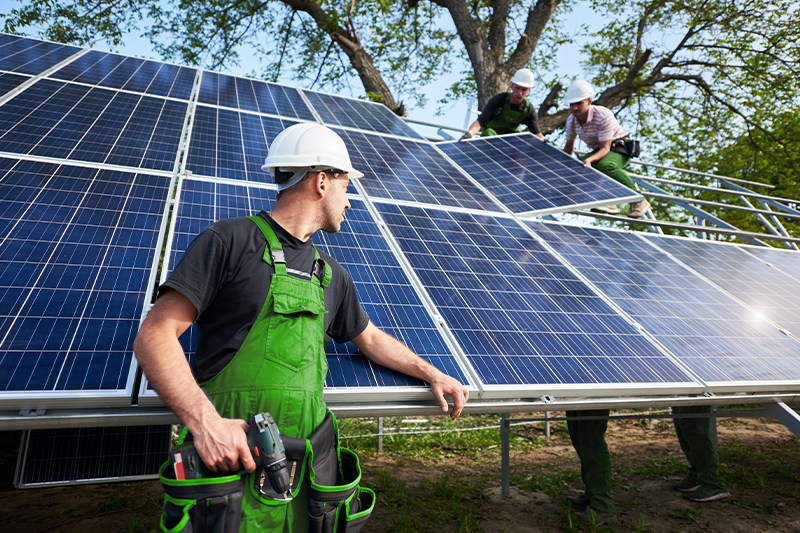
{"x": 495, "y": 106}
{"x": 222, "y": 273}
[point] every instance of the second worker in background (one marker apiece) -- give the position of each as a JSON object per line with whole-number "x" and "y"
{"x": 601, "y": 131}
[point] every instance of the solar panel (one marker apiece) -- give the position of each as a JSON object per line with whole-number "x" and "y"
{"x": 715, "y": 336}
{"x": 131, "y": 74}
{"x": 76, "y": 255}
{"x": 359, "y": 114}
{"x": 91, "y": 455}
{"x": 382, "y": 286}
{"x": 526, "y": 323}
{"x": 76, "y": 122}
{"x": 773, "y": 294}
{"x": 253, "y": 95}
{"x": 786, "y": 260}
{"x": 230, "y": 144}
{"x": 411, "y": 171}
{"x": 9, "y": 82}
{"x": 29, "y": 56}
{"x": 530, "y": 176}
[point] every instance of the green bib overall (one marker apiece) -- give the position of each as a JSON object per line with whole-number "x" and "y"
{"x": 508, "y": 121}
{"x": 280, "y": 368}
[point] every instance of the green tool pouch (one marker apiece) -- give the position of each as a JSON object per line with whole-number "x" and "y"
{"x": 335, "y": 501}
{"x": 208, "y": 505}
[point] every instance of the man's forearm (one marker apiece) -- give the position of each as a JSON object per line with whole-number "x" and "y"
{"x": 161, "y": 356}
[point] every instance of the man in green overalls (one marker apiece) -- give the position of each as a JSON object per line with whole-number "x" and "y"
{"x": 508, "y": 112}
{"x": 265, "y": 301}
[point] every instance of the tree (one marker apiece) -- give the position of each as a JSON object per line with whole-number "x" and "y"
{"x": 654, "y": 58}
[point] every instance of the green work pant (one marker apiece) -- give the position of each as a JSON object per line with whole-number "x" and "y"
{"x": 611, "y": 165}
{"x": 588, "y": 439}
{"x": 694, "y": 436}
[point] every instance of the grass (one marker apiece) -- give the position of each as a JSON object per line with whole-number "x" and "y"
{"x": 446, "y": 499}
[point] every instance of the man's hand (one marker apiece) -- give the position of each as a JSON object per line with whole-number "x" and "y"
{"x": 222, "y": 445}
{"x": 466, "y": 136}
{"x": 443, "y": 386}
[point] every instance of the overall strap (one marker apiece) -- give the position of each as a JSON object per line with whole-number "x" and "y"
{"x": 273, "y": 253}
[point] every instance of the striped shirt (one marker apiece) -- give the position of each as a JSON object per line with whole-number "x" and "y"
{"x": 601, "y": 125}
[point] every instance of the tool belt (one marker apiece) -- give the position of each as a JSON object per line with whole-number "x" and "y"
{"x": 336, "y": 502}
{"x": 626, "y": 146}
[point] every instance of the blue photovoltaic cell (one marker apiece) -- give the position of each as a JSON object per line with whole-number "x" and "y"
{"x": 713, "y": 334}
{"x": 253, "y": 95}
{"x": 382, "y": 286}
{"x": 6, "y": 39}
{"x": 161, "y": 79}
{"x": 359, "y": 114}
{"x": 70, "y": 121}
{"x": 230, "y": 144}
{"x": 521, "y": 317}
{"x": 785, "y": 260}
{"x": 769, "y": 291}
{"x": 76, "y": 255}
{"x": 530, "y": 176}
{"x": 9, "y": 82}
{"x": 411, "y": 171}
{"x": 92, "y": 454}
{"x": 28, "y": 56}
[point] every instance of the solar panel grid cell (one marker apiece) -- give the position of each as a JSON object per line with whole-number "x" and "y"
{"x": 231, "y": 144}
{"x": 785, "y": 260}
{"x": 398, "y": 169}
{"x": 27, "y": 56}
{"x": 68, "y": 323}
{"x": 528, "y": 175}
{"x": 773, "y": 294}
{"x": 9, "y": 82}
{"x": 715, "y": 336}
{"x": 522, "y": 318}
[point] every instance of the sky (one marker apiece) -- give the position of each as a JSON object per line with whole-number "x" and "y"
{"x": 454, "y": 115}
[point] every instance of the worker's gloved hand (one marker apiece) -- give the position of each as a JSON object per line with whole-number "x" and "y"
{"x": 467, "y": 135}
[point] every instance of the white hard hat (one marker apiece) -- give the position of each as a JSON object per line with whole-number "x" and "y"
{"x": 309, "y": 146}
{"x": 579, "y": 91}
{"x": 523, "y": 77}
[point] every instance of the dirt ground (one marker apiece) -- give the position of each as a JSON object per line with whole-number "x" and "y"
{"x": 761, "y": 464}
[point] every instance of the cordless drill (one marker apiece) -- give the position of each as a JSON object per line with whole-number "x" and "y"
{"x": 264, "y": 443}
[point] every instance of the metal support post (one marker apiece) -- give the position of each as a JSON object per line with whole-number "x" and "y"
{"x": 380, "y": 434}
{"x": 785, "y": 414}
{"x": 547, "y": 424}
{"x": 505, "y": 476}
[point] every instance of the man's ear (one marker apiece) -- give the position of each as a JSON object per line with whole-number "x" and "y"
{"x": 320, "y": 183}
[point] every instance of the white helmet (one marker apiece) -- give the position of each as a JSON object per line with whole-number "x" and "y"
{"x": 306, "y": 147}
{"x": 523, "y": 77}
{"x": 579, "y": 91}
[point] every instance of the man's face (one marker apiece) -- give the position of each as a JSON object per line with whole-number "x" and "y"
{"x": 518, "y": 93}
{"x": 335, "y": 203}
{"x": 580, "y": 109}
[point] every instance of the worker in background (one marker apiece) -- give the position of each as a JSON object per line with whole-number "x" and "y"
{"x": 599, "y": 129}
{"x": 694, "y": 435}
{"x": 265, "y": 301}
{"x": 508, "y": 112}
{"x": 588, "y": 439}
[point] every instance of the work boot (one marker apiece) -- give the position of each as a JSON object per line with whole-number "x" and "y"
{"x": 708, "y": 493}
{"x": 609, "y": 209}
{"x": 637, "y": 209}
{"x": 687, "y": 484}
{"x": 579, "y": 503}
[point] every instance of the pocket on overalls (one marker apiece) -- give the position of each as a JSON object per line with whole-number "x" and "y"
{"x": 335, "y": 501}
{"x": 208, "y": 505}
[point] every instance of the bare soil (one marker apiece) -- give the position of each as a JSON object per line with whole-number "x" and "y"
{"x": 762, "y": 471}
